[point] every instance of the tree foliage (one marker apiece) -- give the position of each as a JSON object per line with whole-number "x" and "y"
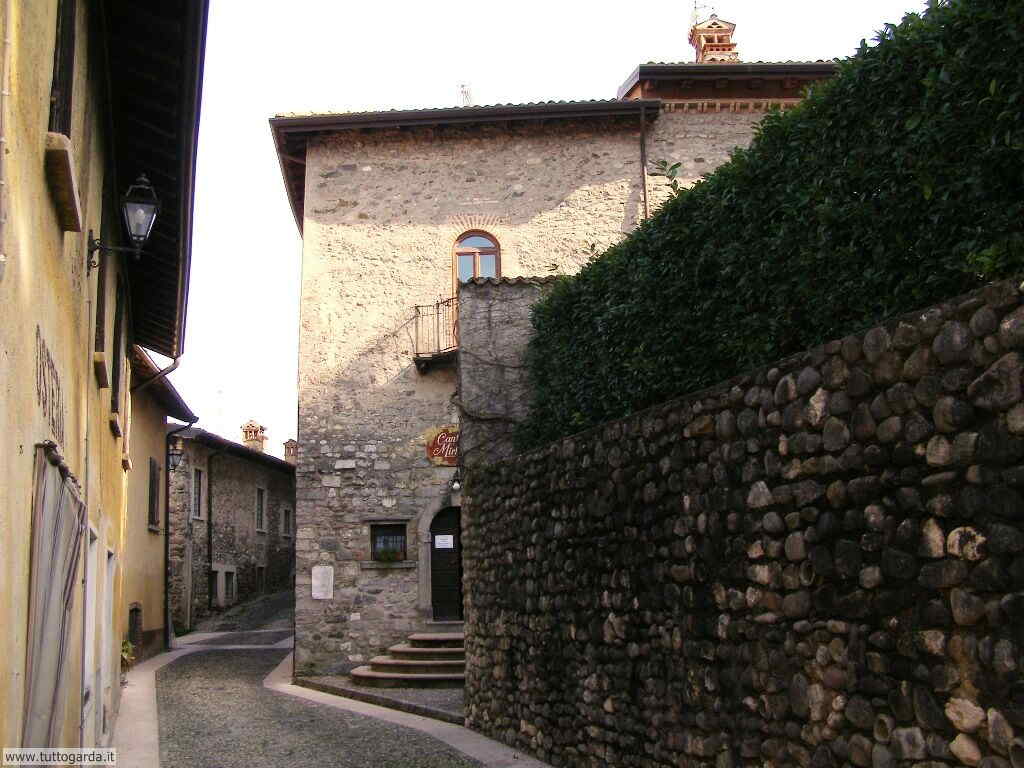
{"x": 898, "y": 183}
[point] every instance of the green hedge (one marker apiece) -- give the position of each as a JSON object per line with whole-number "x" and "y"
{"x": 898, "y": 183}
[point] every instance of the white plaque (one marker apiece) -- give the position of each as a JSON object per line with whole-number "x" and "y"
{"x": 444, "y": 541}
{"x": 323, "y": 582}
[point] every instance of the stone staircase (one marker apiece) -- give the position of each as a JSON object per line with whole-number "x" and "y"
{"x": 427, "y": 660}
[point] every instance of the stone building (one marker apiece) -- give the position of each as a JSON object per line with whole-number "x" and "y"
{"x": 399, "y": 208}
{"x": 232, "y": 523}
{"x": 144, "y": 592}
{"x": 92, "y": 94}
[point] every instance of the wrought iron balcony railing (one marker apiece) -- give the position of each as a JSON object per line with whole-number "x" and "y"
{"x": 437, "y": 333}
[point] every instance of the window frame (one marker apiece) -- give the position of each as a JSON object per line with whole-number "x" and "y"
{"x": 287, "y": 522}
{"x": 476, "y": 252}
{"x": 374, "y": 551}
{"x": 258, "y": 511}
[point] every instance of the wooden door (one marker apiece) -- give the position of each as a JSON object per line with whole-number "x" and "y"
{"x": 446, "y": 565}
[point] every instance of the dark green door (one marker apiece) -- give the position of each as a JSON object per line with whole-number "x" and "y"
{"x": 446, "y": 565}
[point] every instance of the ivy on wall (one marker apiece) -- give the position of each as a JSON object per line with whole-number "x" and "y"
{"x": 896, "y": 184}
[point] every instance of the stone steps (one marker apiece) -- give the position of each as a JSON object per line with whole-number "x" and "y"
{"x": 427, "y": 660}
{"x": 412, "y": 653}
{"x": 418, "y": 666}
{"x": 437, "y": 640}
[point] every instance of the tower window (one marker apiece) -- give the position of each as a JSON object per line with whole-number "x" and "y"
{"x": 477, "y": 254}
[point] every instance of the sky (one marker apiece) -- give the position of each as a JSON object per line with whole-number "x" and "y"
{"x": 264, "y": 57}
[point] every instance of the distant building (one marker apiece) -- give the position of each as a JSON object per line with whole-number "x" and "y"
{"x": 153, "y": 400}
{"x": 232, "y": 523}
{"x": 397, "y": 210}
{"x": 93, "y": 95}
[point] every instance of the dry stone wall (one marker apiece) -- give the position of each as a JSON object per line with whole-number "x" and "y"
{"x": 817, "y": 564}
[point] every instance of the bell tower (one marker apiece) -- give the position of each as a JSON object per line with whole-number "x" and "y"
{"x": 712, "y": 40}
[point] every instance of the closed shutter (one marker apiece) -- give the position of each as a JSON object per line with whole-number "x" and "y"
{"x": 58, "y": 519}
{"x": 154, "y": 493}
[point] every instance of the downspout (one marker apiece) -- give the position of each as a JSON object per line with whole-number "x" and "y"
{"x": 168, "y": 627}
{"x": 4, "y": 93}
{"x": 643, "y": 159}
{"x": 210, "y": 579}
{"x": 157, "y": 376}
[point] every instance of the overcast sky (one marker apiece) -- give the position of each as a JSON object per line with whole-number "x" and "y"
{"x": 264, "y": 57}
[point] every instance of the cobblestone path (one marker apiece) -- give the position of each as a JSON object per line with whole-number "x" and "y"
{"x": 215, "y": 713}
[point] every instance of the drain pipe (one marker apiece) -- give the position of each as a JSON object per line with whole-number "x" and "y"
{"x": 157, "y": 376}
{"x": 210, "y": 578}
{"x": 4, "y": 93}
{"x": 168, "y": 624}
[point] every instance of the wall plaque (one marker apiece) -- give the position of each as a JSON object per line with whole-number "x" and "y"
{"x": 444, "y": 541}
{"x": 443, "y": 446}
{"x": 323, "y": 582}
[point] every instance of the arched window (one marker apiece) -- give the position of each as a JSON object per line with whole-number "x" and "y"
{"x": 477, "y": 254}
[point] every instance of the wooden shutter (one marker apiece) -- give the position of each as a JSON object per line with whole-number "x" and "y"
{"x": 63, "y": 69}
{"x": 154, "y": 492}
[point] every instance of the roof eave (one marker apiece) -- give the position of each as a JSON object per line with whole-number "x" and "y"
{"x": 728, "y": 70}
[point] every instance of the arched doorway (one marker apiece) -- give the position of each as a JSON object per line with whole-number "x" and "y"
{"x": 446, "y": 565}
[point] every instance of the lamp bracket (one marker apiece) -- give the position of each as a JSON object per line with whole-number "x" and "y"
{"x": 96, "y": 246}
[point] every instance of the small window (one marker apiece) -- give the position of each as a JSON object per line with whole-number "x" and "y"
{"x": 260, "y": 579}
{"x": 477, "y": 254}
{"x": 197, "y": 493}
{"x": 154, "y": 493}
{"x": 261, "y": 510}
{"x": 387, "y": 543}
{"x": 286, "y": 523}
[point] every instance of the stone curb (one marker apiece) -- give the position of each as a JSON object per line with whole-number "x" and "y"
{"x": 380, "y": 700}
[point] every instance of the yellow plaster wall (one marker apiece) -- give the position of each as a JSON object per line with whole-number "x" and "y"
{"x": 144, "y": 557}
{"x": 45, "y": 283}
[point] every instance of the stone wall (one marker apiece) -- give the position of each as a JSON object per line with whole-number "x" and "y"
{"x": 494, "y": 329}
{"x": 816, "y": 564}
{"x": 232, "y": 479}
{"x": 383, "y": 210}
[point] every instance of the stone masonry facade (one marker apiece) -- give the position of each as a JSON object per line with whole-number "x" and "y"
{"x": 494, "y": 329}
{"x": 383, "y": 210}
{"x": 228, "y": 480}
{"x": 814, "y": 564}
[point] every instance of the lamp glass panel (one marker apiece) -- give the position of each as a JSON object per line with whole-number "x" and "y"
{"x": 139, "y": 217}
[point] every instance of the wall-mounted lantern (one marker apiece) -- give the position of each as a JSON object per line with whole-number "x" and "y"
{"x": 139, "y": 206}
{"x": 456, "y": 483}
{"x": 174, "y": 454}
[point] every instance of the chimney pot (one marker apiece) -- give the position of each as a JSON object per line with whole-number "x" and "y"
{"x": 254, "y": 435}
{"x": 291, "y": 451}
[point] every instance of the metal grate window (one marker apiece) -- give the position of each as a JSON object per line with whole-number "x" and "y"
{"x": 387, "y": 542}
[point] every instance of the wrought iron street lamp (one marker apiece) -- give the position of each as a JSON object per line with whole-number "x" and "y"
{"x": 174, "y": 454}
{"x": 139, "y": 206}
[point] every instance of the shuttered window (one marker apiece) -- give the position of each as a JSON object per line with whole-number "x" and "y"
{"x": 154, "y": 493}
{"x": 63, "y": 69}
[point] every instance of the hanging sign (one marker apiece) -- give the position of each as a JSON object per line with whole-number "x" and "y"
{"x": 444, "y": 541}
{"x": 443, "y": 446}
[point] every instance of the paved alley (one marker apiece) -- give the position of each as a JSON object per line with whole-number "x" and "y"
{"x": 215, "y": 713}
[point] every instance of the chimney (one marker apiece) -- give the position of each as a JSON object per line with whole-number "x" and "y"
{"x": 291, "y": 451}
{"x": 712, "y": 40}
{"x": 253, "y": 435}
